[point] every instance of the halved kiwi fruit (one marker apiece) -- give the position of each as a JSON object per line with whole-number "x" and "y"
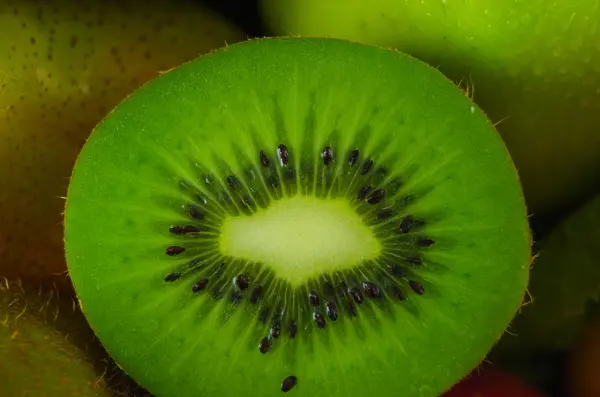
{"x": 37, "y": 358}
{"x": 300, "y": 215}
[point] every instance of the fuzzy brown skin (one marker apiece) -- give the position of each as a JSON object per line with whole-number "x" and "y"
{"x": 64, "y": 64}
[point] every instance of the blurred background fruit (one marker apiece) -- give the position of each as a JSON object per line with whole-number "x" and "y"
{"x": 491, "y": 382}
{"x": 63, "y": 65}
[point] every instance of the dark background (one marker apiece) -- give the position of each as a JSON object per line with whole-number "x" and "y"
{"x": 243, "y": 12}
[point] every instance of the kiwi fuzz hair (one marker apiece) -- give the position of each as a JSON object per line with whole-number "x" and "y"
{"x": 38, "y": 358}
{"x": 297, "y": 215}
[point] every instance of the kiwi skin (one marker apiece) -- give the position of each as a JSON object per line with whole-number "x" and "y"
{"x": 147, "y": 210}
{"x": 38, "y": 358}
{"x": 535, "y": 72}
{"x": 64, "y": 64}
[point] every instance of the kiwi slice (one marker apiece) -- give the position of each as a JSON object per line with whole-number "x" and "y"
{"x": 37, "y": 358}
{"x": 301, "y": 215}
{"x": 64, "y": 64}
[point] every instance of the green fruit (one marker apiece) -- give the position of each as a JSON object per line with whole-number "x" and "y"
{"x": 37, "y": 359}
{"x": 564, "y": 287}
{"x": 535, "y": 67}
{"x": 64, "y": 64}
{"x": 307, "y": 215}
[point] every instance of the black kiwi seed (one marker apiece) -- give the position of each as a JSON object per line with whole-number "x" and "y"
{"x": 242, "y": 282}
{"x": 417, "y": 287}
{"x": 328, "y": 289}
{"x": 200, "y": 285}
{"x": 406, "y": 224}
{"x": 343, "y": 288}
{"x": 397, "y": 271}
{"x": 313, "y": 298}
{"x": 195, "y": 213}
{"x": 264, "y": 315}
{"x": 356, "y": 295}
{"x": 362, "y": 193}
{"x": 236, "y": 297}
{"x": 327, "y": 155}
{"x": 264, "y": 345}
{"x": 185, "y": 229}
{"x": 425, "y": 242}
{"x": 282, "y": 154}
{"x": 174, "y": 250}
{"x": 376, "y": 196}
{"x": 331, "y": 310}
{"x": 414, "y": 260}
{"x": 276, "y": 329}
{"x": 233, "y": 182}
{"x": 272, "y": 181}
{"x": 288, "y": 383}
{"x": 172, "y": 277}
{"x": 371, "y": 289}
{"x": 367, "y": 165}
{"x": 220, "y": 270}
{"x": 216, "y": 292}
{"x": 398, "y": 293}
{"x": 353, "y": 158}
{"x": 256, "y": 294}
{"x": 293, "y": 329}
{"x": 385, "y": 213}
{"x": 264, "y": 160}
{"x": 351, "y": 309}
{"x": 319, "y": 319}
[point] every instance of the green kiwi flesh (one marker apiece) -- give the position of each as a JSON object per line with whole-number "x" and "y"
{"x": 300, "y": 215}
{"x": 38, "y": 359}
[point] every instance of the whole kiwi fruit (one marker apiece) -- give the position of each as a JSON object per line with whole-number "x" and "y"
{"x": 64, "y": 64}
{"x": 38, "y": 357}
{"x": 297, "y": 215}
{"x": 534, "y": 67}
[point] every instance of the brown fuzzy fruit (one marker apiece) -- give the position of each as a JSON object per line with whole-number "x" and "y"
{"x": 64, "y": 64}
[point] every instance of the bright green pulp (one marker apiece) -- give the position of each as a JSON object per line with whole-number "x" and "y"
{"x": 216, "y": 114}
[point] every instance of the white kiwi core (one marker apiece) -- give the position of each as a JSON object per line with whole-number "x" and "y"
{"x": 301, "y": 237}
